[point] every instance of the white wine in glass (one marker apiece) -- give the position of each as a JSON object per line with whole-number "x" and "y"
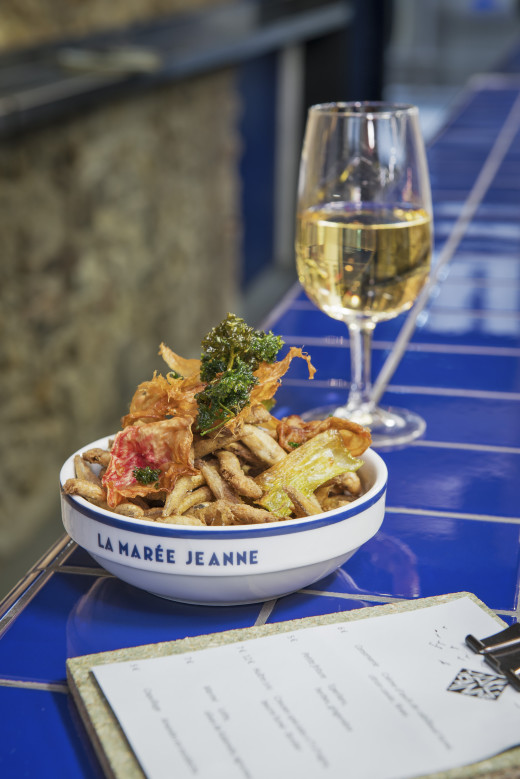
{"x": 364, "y": 237}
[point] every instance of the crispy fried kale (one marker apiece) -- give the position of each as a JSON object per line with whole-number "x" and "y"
{"x": 233, "y": 339}
{"x": 224, "y": 397}
{"x": 231, "y": 352}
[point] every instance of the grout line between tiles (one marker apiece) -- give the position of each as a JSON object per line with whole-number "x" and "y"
{"x": 43, "y": 686}
{"x": 411, "y": 390}
{"x": 353, "y": 596}
{"x": 484, "y": 313}
{"x": 81, "y": 569}
{"x": 480, "y": 351}
{"x": 265, "y": 612}
{"x": 455, "y": 392}
{"x": 492, "y": 448}
{"x": 342, "y": 342}
{"x": 505, "y": 612}
{"x": 363, "y": 597}
{"x": 453, "y": 515}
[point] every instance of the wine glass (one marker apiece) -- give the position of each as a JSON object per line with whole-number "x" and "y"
{"x": 364, "y": 237}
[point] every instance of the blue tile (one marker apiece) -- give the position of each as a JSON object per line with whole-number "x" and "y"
{"x": 75, "y": 615}
{"x": 454, "y": 177}
{"x": 384, "y": 567}
{"x": 420, "y": 367}
{"x": 488, "y": 244}
{"x": 479, "y": 295}
{"x": 303, "y": 322}
{"x": 297, "y": 398}
{"x": 508, "y": 619}
{"x": 446, "y": 555}
{"x": 79, "y": 558}
{"x": 459, "y": 419}
{"x": 307, "y": 321}
{"x": 299, "y": 294}
{"x": 490, "y": 211}
{"x": 39, "y": 737}
{"x": 308, "y": 604}
{"x": 490, "y": 322}
{"x": 504, "y": 268}
{"x": 500, "y": 196}
{"x": 499, "y": 330}
{"x": 452, "y": 194}
{"x": 420, "y": 556}
{"x": 331, "y": 362}
{"x": 464, "y": 419}
{"x": 472, "y": 371}
{"x": 454, "y": 480}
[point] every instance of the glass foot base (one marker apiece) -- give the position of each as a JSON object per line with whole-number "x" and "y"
{"x": 388, "y": 426}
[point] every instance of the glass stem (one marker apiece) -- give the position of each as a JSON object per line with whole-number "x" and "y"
{"x": 360, "y": 334}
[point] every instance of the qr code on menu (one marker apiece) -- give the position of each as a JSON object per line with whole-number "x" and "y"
{"x": 478, "y": 684}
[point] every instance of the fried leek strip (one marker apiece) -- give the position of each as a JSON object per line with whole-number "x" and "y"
{"x": 305, "y": 468}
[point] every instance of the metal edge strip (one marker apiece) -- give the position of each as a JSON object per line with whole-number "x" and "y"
{"x": 26, "y": 589}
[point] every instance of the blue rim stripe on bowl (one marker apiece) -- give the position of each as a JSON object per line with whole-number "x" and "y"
{"x": 245, "y": 531}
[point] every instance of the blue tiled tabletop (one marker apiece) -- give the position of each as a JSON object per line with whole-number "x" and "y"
{"x": 453, "y": 505}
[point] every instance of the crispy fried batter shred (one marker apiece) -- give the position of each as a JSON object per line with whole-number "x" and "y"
{"x": 251, "y": 468}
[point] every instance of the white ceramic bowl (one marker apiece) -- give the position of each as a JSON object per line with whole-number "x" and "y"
{"x": 226, "y": 565}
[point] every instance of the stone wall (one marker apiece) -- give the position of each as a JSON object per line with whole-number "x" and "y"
{"x": 119, "y": 228}
{"x": 31, "y": 22}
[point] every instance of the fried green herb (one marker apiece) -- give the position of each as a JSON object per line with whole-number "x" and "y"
{"x": 224, "y": 397}
{"x": 231, "y": 352}
{"x": 146, "y": 475}
{"x": 232, "y": 340}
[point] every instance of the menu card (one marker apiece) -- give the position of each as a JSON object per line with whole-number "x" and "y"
{"x": 389, "y": 697}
